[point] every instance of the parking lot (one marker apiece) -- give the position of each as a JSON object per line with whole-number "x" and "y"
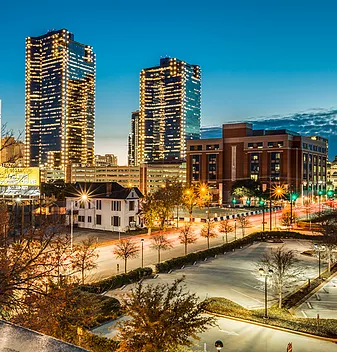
{"x": 235, "y": 275}
{"x": 323, "y": 303}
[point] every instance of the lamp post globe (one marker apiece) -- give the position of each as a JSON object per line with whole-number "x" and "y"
{"x": 218, "y": 345}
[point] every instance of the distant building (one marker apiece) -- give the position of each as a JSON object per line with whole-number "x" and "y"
{"x": 333, "y": 173}
{"x": 271, "y": 157}
{"x": 60, "y": 101}
{"x": 106, "y": 160}
{"x": 169, "y": 114}
{"x": 12, "y": 151}
{"x": 109, "y": 206}
{"x": 133, "y": 140}
{"x": 148, "y": 177}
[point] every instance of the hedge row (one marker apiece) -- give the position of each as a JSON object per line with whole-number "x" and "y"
{"x": 277, "y": 317}
{"x": 96, "y": 343}
{"x": 176, "y": 263}
{"x": 117, "y": 281}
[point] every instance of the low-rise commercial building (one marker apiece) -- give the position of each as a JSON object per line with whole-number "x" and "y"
{"x": 104, "y": 206}
{"x": 147, "y": 178}
{"x": 275, "y": 157}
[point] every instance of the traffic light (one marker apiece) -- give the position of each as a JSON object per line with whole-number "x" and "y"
{"x": 248, "y": 201}
{"x": 234, "y": 201}
{"x": 330, "y": 193}
{"x": 261, "y": 202}
{"x": 294, "y": 196}
{"x": 320, "y": 192}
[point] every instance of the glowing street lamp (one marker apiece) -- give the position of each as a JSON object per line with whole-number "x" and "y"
{"x": 218, "y": 345}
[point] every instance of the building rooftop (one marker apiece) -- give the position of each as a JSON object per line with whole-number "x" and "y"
{"x": 15, "y": 338}
{"x": 111, "y": 190}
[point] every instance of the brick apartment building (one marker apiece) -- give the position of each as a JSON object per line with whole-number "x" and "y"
{"x": 272, "y": 157}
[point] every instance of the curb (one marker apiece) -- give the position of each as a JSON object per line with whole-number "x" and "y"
{"x": 311, "y": 293}
{"x": 328, "y": 339}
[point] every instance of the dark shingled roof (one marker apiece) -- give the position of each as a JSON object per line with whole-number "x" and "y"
{"x": 15, "y": 338}
{"x": 111, "y": 190}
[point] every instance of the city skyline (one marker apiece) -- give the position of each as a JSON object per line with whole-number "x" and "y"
{"x": 247, "y": 71}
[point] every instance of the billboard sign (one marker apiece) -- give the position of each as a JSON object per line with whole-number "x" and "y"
{"x": 19, "y": 177}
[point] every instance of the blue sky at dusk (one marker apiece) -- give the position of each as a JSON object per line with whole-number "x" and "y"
{"x": 257, "y": 57}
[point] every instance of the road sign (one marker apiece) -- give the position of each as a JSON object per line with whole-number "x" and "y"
{"x": 290, "y": 347}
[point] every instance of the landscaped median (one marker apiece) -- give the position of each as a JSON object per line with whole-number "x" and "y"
{"x": 177, "y": 263}
{"x": 279, "y": 318}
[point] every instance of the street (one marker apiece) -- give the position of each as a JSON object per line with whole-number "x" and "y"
{"x": 242, "y": 337}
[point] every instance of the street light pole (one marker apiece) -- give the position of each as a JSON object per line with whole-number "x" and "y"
{"x": 319, "y": 264}
{"x": 265, "y": 297}
{"x": 263, "y": 220}
{"x": 265, "y": 274}
{"x": 71, "y": 224}
{"x": 234, "y": 229}
{"x": 142, "y": 240}
{"x": 270, "y": 215}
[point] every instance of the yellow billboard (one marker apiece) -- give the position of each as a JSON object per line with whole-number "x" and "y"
{"x": 19, "y": 176}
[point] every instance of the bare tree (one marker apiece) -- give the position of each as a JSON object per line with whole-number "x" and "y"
{"x": 244, "y": 223}
{"x": 84, "y": 257}
{"x": 329, "y": 230}
{"x": 126, "y": 249}
{"x": 162, "y": 317}
{"x": 186, "y": 235}
{"x": 287, "y": 219}
{"x": 282, "y": 262}
{"x": 225, "y": 227}
{"x": 160, "y": 243}
{"x": 27, "y": 263}
{"x": 208, "y": 231}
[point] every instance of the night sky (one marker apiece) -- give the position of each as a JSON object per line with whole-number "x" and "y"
{"x": 258, "y": 58}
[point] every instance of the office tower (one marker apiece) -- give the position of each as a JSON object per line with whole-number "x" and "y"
{"x": 60, "y": 101}
{"x": 133, "y": 139}
{"x": 169, "y": 115}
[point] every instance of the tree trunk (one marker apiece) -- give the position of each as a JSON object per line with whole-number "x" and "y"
{"x": 125, "y": 260}
{"x": 207, "y": 242}
{"x": 149, "y": 231}
{"x": 191, "y": 215}
{"x": 329, "y": 261}
{"x": 185, "y": 248}
{"x": 159, "y": 255}
{"x": 280, "y": 298}
{"x": 82, "y": 276}
{"x": 226, "y": 237}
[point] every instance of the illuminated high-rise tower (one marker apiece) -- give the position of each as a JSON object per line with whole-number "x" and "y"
{"x": 169, "y": 114}
{"x": 60, "y": 101}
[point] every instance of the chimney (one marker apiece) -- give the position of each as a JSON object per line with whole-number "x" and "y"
{"x": 108, "y": 188}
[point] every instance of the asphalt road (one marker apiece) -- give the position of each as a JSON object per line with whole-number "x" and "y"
{"x": 242, "y": 337}
{"x": 323, "y": 302}
{"x": 107, "y": 263}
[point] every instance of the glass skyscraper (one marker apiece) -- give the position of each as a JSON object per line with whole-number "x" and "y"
{"x": 60, "y": 101}
{"x": 169, "y": 114}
